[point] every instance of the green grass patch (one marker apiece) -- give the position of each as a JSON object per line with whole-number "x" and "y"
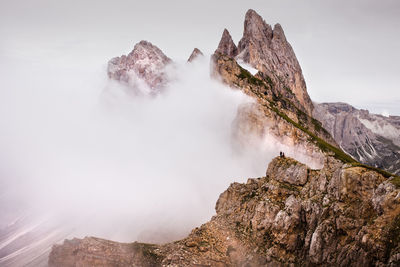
{"x": 269, "y": 80}
{"x": 289, "y": 90}
{"x": 396, "y": 181}
{"x": 386, "y": 174}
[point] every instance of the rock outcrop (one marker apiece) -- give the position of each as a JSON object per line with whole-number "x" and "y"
{"x": 337, "y": 216}
{"x": 267, "y": 50}
{"x": 143, "y": 68}
{"x": 195, "y": 54}
{"x": 371, "y": 139}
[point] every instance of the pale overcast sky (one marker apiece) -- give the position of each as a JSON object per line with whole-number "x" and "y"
{"x": 349, "y": 50}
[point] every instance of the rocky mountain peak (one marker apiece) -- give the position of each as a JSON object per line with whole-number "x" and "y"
{"x": 226, "y": 45}
{"x": 145, "y": 64}
{"x": 268, "y": 51}
{"x": 278, "y": 33}
{"x": 256, "y": 30}
{"x": 195, "y": 54}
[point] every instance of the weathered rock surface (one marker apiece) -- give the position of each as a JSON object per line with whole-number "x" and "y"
{"x": 337, "y": 216}
{"x": 195, "y": 54}
{"x": 143, "y": 67}
{"x": 371, "y": 139}
{"x": 267, "y": 50}
{"x": 226, "y": 45}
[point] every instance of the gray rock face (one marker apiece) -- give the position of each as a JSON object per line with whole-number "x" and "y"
{"x": 226, "y": 45}
{"x": 371, "y": 139}
{"x": 195, "y": 54}
{"x": 267, "y": 50}
{"x": 144, "y": 66}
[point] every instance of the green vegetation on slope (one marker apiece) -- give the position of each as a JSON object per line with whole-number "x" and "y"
{"x": 246, "y": 75}
{"x": 396, "y": 181}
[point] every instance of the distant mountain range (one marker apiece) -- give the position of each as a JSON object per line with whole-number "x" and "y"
{"x": 370, "y": 138}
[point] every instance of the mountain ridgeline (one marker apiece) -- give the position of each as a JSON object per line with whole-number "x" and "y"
{"x": 343, "y": 213}
{"x": 371, "y": 139}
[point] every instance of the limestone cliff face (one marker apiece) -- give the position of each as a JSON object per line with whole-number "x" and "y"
{"x": 144, "y": 66}
{"x": 371, "y": 139}
{"x": 337, "y": 216}
{"x": 267, "y": 50}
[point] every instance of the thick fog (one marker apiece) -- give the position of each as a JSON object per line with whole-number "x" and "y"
{"x": 81, "y": 149}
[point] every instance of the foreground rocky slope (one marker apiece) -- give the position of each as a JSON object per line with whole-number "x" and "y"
{"x": 371, "y": 139}
{"x": 339, "y": 215}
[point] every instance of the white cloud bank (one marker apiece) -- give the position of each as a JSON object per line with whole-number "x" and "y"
{"x": 79, "y": 147}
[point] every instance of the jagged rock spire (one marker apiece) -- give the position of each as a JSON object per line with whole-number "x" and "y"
{"x": 267, "y": 50}
{"x": 195, "y": 54}
{"x": 256, "y": 31}
{"x": 226, "y": 45}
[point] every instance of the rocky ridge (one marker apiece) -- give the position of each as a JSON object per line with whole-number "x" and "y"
{"x": 371, "y": 139}
{"x": 145, "y": 67}
{"x": 339, "y": 215}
